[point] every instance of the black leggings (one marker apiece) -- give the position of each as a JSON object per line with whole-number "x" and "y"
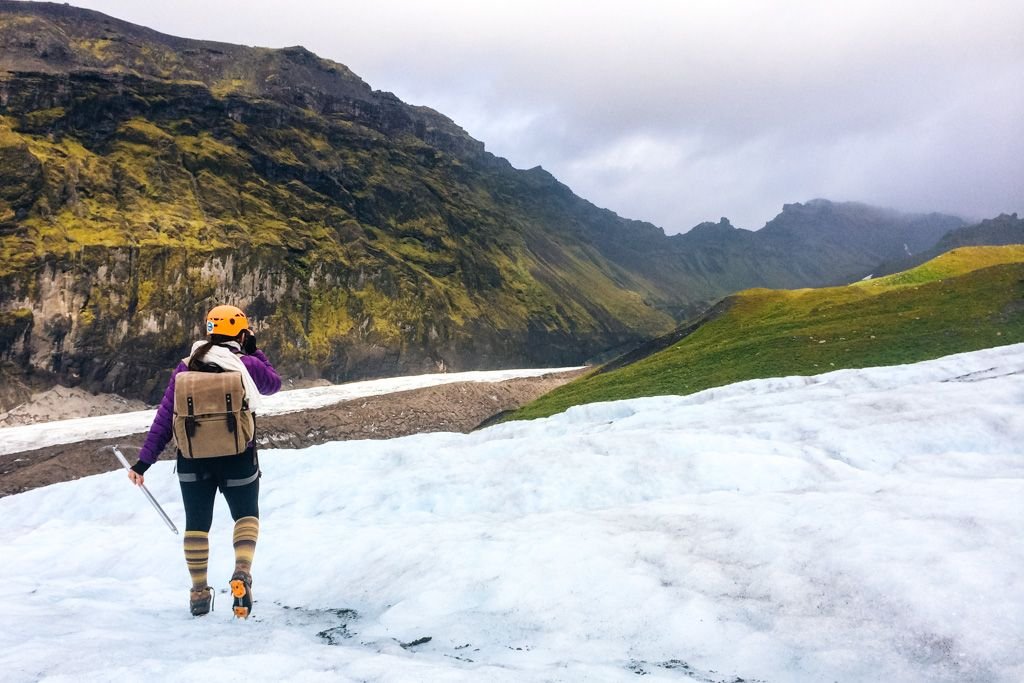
{"x": 237, "y": 477}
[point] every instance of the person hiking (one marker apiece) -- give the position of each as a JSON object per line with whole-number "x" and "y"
{"x": 215, "y": 447}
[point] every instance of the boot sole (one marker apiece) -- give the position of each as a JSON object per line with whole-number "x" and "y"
{"x": 238, "y": 591}
{"x": 200, "y": 611}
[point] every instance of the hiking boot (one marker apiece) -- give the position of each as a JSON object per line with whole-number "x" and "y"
{"x": 241, "y": 591}
{"x": 200, "y": 601}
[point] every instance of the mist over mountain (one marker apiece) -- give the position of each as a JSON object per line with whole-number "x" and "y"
{"x": 813, "y": 244}
{"x": 145, "y": 177}
{"x": 1003, "y": 229}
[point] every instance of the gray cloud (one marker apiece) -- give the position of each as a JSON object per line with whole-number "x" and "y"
{"x": 679, "y": 112}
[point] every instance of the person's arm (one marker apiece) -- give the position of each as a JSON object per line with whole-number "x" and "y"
{"x": 159, "y": 432}
{"x": 262, "y": 372}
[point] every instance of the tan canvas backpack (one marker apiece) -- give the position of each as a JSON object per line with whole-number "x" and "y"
{"x": 211, "y": 414}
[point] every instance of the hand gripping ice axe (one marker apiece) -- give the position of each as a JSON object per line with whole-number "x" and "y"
{"x": 120, "y": 456}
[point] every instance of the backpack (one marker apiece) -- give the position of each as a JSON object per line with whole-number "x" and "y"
{"x": 211, "y": 414}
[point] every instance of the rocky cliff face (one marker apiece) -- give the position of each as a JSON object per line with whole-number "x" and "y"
{"x": 118, "y": 320}
{"x": 144, "y": 178}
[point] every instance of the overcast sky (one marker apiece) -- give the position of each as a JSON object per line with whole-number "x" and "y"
{"x": 681, "y": 112}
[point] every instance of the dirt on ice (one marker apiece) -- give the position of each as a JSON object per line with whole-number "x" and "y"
{"x": 459, "y": 407}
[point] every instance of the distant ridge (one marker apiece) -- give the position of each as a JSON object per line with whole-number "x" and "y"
{"x": 1004, "y": 229}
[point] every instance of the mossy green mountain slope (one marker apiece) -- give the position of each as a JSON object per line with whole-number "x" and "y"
{"x": 144, "y": 177}
{"x": 967, "y": 299}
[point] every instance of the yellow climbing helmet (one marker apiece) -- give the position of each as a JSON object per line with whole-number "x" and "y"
{"x": 226, "y": 320}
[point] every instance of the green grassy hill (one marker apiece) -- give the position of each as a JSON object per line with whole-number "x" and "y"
{"x": 967, "y": 299}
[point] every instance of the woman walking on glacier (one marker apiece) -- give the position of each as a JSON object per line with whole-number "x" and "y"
{"x": 209, "y": 408}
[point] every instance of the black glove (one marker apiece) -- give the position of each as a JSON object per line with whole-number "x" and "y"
{"x": 140, "y": 467}
{"x": 249, "y": 344}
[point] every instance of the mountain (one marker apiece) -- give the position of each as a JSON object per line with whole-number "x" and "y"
{"x": 813, "y": 244}
{"x": 144, "y": 177}
{"x": 967, "y": 299}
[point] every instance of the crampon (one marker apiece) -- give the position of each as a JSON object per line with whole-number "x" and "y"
{"x": 241, "y": 591}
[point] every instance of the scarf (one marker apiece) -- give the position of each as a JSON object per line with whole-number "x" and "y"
{"x": 223, "y": 357}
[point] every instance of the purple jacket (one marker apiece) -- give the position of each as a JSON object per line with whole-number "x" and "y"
{"x": 263, "y": 374}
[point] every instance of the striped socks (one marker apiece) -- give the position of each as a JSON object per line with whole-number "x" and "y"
{"x": 197, "y": 550}
{"x": 246, "y": 531}
{"x": 197, "y": 556}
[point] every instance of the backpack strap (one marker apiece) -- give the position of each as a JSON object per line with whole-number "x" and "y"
{"x": 190, "y": 423}
{"x": 232, "y": 422}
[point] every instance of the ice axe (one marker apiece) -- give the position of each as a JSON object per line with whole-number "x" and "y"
{"x": 124, "y": 461}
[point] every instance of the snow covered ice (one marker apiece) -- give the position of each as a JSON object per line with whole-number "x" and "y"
{"x": 855, "y": 526}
